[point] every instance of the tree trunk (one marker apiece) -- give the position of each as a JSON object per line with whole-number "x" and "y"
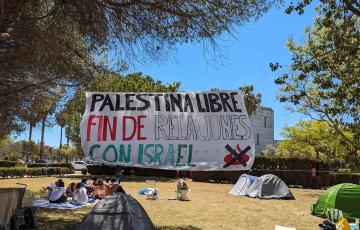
{"x": 60, "y": 145}
{"x": 41, "y": 152}
{"x": 30, "y": 131}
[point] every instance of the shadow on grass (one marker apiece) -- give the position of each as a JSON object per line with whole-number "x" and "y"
{"x": 181, "y": 227}
{"x": 58, "y": 224}
{"x": 58, "y": 219}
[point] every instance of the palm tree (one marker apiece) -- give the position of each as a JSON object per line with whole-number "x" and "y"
{"x": 252, "y": 101}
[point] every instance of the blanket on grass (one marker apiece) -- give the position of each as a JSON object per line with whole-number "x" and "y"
{"x": 63, "y": 206}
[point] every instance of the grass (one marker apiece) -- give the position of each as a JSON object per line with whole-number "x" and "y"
{"x": 211, "y": 207}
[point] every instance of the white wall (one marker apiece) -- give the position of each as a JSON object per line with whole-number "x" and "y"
{"x": 263, "y": 133}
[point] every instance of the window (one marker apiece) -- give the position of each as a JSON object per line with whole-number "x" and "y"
{"x": 257, "y": 139}
{"x": 265, "y": 121}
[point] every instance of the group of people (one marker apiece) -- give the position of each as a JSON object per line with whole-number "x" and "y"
{"x": 81, "y": 192}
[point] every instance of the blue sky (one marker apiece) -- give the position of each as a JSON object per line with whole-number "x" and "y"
{"x": 245, "y": 61}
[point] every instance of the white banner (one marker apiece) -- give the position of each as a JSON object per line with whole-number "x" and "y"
{"x": 180, "y": 131}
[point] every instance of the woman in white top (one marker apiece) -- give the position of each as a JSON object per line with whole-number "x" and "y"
{"x": 58, "y": 194}
{"x": 80, "y": 196}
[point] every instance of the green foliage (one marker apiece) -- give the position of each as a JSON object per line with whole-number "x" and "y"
{"x": 315, "y": 140}
{"x": 291, "y": 178}
{"x": 32, "y": 172}
{"x": 338, "y": 178}
{"x": 15, "y": 155}
{"x": 9, "y": 164}
{"x": 43, "y": 165}
{"x": 323, "y": 78}
{"x": 287, "y": 163}
{"x": 136, "y": 82}
{"x": 84, "y": 171}
{"x": 299, "y": 6}
{"x": 252, "y": 101}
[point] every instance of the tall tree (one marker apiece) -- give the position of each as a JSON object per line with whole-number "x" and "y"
{"x": 47, "y": 104}
{"x": 323, "y": 78}
{"x": 58, "y": 42}
{"x": 349, "y": 5}
{"x": 317, "y": 140}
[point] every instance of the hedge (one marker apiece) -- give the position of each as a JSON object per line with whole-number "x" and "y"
{"x": 101, "y": 170}
{"x": 32, "y": 172}
{"x": 57, "y": 165}
{"x": 9, "y": 163}
{"x": 290, "y": 163}
{"x": 291, "y": 178}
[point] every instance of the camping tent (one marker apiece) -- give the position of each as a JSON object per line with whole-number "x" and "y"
{"x": 265, "y": 187}
{"x": 269, "y": 187}
{"x": 242, "y": 185}
{"x": 119, "y": 211}
{"x": 345, "y": 197}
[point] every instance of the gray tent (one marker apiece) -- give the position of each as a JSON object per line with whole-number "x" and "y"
{"x": 242, "y": 185}
{"x": 269, "y": 187}
{"x": 120, "y": 211}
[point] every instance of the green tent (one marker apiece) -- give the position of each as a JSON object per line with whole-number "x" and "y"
{"x": 345, "y": 197}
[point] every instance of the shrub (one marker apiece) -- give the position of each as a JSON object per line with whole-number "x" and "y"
{"x": 10, "y": 164}
{"x": 32, "y": 172}
{"x": 42, "y": 165}
{"x": 37, "y": 165}
{"x": 84, "y": 171}
{"x": 338, "y": 178}
{"x": 101, "y": 169}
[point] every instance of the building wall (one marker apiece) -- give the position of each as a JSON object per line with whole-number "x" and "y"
{"x": 263, "y": 128}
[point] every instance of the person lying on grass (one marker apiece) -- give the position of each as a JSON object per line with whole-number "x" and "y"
{"x": 58, "y": 194}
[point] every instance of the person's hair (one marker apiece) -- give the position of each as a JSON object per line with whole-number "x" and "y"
{"x": 72, "y": 186}
{"x": 78, "y": 185}
{"x": 94, "y": 178}
{"x": 84, "y": 180}
{"x": 107, "y": 179}
{"x": 112, "y": 179}
{"x": 99, "y": 182}
{"x": 60, "y": 183}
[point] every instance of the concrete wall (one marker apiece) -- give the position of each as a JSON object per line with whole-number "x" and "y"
{"x": 263, "y": 128}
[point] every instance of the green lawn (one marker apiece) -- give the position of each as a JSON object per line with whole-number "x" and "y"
{"x": 211, "y": 207}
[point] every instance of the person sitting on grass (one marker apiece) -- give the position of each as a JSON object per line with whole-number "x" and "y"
{"x": 71, "y": 189}
{"x": 58, "y": 194}
{"x": 84, "y": 183}
{"x": 50, "y": 188}
{"x": 114, "y": 187}
{"x": 80, "y": 196}
{"x": 95, "y": 179}
{"x": 99, "y": 190}
{"x": 107, "y": 181}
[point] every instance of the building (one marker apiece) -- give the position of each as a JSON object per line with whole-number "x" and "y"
{"x": 263, "y": 128}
